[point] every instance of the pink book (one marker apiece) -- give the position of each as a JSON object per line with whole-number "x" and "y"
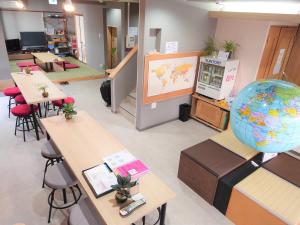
{"x": 136, "y": 169}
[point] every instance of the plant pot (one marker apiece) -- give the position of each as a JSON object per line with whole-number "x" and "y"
{"x": 45, "y": 94}
{"x": 120, "y": 198}
{"x": 68, "y": 116}
{"x": 230, "y": 55}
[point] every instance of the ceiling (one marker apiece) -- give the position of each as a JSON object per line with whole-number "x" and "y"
{"x": 12, "y": 3}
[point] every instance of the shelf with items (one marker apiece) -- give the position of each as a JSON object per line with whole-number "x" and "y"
{"x": 210, "y": 112}
{"x": 56, "y": 25}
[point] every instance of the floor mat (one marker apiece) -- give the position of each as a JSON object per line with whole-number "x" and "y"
{"x": 84, "y": 72}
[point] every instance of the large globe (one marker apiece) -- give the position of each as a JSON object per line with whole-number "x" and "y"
{"x": 265, "y": 115}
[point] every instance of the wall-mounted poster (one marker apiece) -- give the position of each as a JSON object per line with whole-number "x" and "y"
{"x": 169, "y": 75}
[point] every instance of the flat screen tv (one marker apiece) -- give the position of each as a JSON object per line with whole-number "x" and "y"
{"x": 12, "y": 45}
{"x": 33, "y": 39}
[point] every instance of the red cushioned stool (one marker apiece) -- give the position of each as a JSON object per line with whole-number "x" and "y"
{"x": 11, "y": 92}
{"x": 59, "y": 103}
{"x": 24, "y": 116}
{"x": 19, "y": 99}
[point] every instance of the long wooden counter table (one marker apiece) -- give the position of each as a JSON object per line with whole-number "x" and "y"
{"x": 29, "y": 87}
{"x": 83, "y": 143}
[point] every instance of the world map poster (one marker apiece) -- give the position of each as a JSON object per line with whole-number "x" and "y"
{"x": 170, "y": 75}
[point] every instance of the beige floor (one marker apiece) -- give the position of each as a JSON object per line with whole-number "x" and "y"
{"x": 23, "y": 200}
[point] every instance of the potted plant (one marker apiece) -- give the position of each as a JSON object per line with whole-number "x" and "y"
{"x": 123, "y": 188}
{"x": 68, "y": 110}
{"x": 27, "y": 70}
{"x": 210, "y": 47}
{"x": 230, "y": 47}
{"x": 43, "y": 88}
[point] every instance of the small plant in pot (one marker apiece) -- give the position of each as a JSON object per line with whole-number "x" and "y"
{"x": 230, "y": 46}
{"x": 210, "y": 47}
{"x": 43, "y": 88}
{"x": 123, "y": 188}
{"x": 68, "y": 110}
{"x": 27, "y": 70}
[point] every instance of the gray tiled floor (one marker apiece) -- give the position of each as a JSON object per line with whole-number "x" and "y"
{"x": 23, "y": 200}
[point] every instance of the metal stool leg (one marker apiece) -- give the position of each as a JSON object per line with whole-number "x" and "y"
{"x": 23, "y": 127}
{"x": 50, "y": 201}
{"x": 64, "y": 196}
{"x": 16, "y": 125}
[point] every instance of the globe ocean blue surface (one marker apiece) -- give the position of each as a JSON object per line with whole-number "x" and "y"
{"x": 266, "y": 116}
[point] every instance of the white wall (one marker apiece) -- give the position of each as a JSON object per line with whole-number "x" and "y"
{"x": 4, "y": 66}
{"x": 251, "y": 37}
{"x": 114, "y": 19}
{"x": 93, "y": 25}
{"x": 15, "y": 22}
{"x": 180, "y": 22}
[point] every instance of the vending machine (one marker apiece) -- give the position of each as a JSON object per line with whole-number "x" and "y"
{"x": 216, "y": 77}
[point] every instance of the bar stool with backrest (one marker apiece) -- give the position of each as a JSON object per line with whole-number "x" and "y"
{"x": 52, "y": 156}
{"x": 24, "y": 117}
{"x": 11, "y": 92}
{"x": 84, "y": 214}
{"x": 58, "y": 178}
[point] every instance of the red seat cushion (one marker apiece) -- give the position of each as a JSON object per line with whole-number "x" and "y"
{"x": 23, "y": 110}
{"x": 67, "y": 100}
{"x": 25, "y": 64}
{"x": 11, "y": 91}
{"x": 61, "y": 63}
{"x": 20, "y": 99}
{"x": 71, "y": 66}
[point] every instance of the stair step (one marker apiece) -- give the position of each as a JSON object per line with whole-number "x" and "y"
{"x": 129, "y": 105}
{"x": 132, "y": 94}
{"x": 127, "y": 115}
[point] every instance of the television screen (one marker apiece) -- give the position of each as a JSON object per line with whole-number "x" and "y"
{"x": 33, "y": 39}
{"x": 13, "y": 45}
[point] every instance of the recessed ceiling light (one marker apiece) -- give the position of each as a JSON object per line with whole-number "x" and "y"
{"x": 20, "y": 4}
{"x": 68, "y": 6}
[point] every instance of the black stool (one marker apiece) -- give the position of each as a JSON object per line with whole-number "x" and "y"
{"x": 51, "y": 155}
{"x": 58, "y": 178}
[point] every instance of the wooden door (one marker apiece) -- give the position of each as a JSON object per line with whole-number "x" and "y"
{"x": 112, "y": 50}
{"x": 292, "y": 70}
{"x": 277, "y": 51}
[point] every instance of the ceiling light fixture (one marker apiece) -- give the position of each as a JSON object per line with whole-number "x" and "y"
{"x": 68, "y": 6}
{"x": 20, "y": 4}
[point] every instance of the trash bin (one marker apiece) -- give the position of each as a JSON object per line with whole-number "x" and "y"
{"x": 184, "y": 112}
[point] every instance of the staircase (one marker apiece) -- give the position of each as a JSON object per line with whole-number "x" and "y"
{"x": 128, "y": 107}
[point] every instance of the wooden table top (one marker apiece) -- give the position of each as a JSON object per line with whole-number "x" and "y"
{"x": 83, "y": 143}
{"x": 46, "y": 57}
{"x": 228, "y": 140}
{"x": 29, "y": 86}
{"x": 273, "y": 193}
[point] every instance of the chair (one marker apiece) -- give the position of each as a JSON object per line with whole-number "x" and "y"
{"x": 51, "y": 155}
{"x": 83, "y": 214}
{"x": 59, "y": 103}
{"x": 58, "y": 178}
{"x": 11, "y": 92}
{"x": 24, "y": 116}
